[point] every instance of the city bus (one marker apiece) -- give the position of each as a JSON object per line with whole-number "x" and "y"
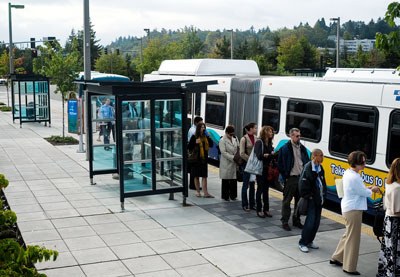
{"x": 343, "y": 111}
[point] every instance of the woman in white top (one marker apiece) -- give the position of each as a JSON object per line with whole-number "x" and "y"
{"x": 389, "y": 256}
{"x": 353, "y": 204}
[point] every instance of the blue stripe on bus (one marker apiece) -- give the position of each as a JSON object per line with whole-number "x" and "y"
{"x": 396, "y": 92}
{"x": 397, "y": 98}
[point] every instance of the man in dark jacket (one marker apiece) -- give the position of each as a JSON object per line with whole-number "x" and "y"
{"x": 292, "y": 157}
{"x": 312, "y": 187}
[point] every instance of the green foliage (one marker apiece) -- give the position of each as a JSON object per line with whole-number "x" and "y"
{"x": 111, "y": 63}
{"x": 16, "y": 261}
{"x": 7, "y": 219}
{"x": 5, "y": 109}
{"x": 62, "y": 140}
{"x": 222, "y": 49}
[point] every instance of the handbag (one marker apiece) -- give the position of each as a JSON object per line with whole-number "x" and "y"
{"x": 254, "y": 165}
{"x": 272, "y": 172}
{"x": 302, "y": 206}
{"x": 193, "y": 156}
{"x": 237, "y": 158}
{"x": 239, "y": 174}
{"x": 379, "y": 218}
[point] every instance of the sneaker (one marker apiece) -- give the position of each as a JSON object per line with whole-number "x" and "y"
{"x": 303, "y": 248}
{"x": 286, "y": 227}
{"x": 313, "y": 246}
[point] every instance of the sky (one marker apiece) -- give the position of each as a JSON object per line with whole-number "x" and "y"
{"x": 115, "y": 18}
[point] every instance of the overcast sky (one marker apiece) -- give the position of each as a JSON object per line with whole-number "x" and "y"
{"x": 116, "y": 18}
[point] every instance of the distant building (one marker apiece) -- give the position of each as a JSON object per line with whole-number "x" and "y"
{"x": 352, "y": 45}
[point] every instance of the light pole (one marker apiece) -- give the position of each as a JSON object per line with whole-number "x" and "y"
{"x": 141, "y": 59}
{"x": 11, "y": 46}
{"x": 337, "y": 20}
{"x": 231, "y": 30}
{"x": 148, "y": 33}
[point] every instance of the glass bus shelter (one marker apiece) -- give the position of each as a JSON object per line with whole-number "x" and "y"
{"x": 30, "y": 98}
{"x": 139, "y": 131}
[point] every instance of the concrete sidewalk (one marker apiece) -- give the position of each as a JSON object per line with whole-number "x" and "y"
{"x": 58, "y": 208}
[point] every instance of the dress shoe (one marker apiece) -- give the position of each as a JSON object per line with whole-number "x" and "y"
{"x": 260, "y": 214}
{"x": 286, "y": 227}
{"x": 246, "y": 209}
{"x": 335, "y": 262}
{"x": 267, "y": 214}
{"x": 298, "y": 225}
{"x": 352, "y": 272}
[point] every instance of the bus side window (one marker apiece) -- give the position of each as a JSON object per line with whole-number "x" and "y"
{"x": 307, "y": 116}
{"x": 393, "y": 149}
{"x": 215, "y": 109}
{"x": 271, "y": 112}
{"x": 353, "y": 128}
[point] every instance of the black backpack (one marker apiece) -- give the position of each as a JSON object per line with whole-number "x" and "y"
{"x": 379, "y": 217}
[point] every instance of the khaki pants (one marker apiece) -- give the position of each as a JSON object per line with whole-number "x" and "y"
{"x": 349, "y": 245}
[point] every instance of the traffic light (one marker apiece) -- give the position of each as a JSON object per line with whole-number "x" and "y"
{"x": 33, "y": 44}
{"x": 34, "y": 53}
{"x": 105, "y": 51}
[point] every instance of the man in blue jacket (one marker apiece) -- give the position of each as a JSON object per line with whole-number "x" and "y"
{"x": 312, "y": 187}
{"x": 291, "y": 160}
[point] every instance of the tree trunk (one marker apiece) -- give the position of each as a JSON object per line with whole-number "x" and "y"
{"x": 63, "y": 116}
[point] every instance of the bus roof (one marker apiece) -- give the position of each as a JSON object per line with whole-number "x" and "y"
{"x": 208, "y": 67}
{"x": 98, "y": 76}
{"x": 367, "y": 75}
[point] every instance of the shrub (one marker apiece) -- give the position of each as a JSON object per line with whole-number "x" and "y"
{"x": 5, "y": 108}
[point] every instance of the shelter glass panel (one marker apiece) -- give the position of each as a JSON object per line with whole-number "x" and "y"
{"x": 136, "y": 146}
{"x": 103, "y": 136}
{"x": 42, "y": 100}
{"x": 16, "y": 99}
{"x": 27, "y": 101}
{"x": 197, "y": 104}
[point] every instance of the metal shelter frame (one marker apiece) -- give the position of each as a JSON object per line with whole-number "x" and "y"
{"x": 149, "y": 124}
{"x": 30, "y": 96}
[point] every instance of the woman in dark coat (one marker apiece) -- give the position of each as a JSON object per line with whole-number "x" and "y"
{"x": 265, "y": 152}
{"x": 200, "y": 143}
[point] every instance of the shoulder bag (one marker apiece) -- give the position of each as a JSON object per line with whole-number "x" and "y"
{"x": 254, "y": 165}
{"x": 302, "y": 206}
{"x": 237, "y": 158}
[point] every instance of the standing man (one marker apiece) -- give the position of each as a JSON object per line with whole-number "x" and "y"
{"x": 106, "y": 112}
{"x": 191, "y": 132}
{"x": 312, "y": 186}
{"x": 292, "y": 157}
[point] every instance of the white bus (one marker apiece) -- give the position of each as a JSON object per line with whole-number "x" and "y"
{"x": 346, "y": 110}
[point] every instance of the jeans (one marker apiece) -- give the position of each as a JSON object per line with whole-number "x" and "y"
{"x": 290, "y": 191}
{"x": 247, "y": 185}
{"x": 311, "y": 224}
{"x": 262, "y": 191}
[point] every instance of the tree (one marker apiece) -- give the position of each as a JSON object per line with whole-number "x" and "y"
{"x": 111, "y": 63}
{"x": 222, "y": 49}
{"x": 4, "y": 63}
{"x": 389, "y": 43}
{"x": 290, "y": 54}
{"x": 191, "y": 44}
{"x": 62, "y": 69}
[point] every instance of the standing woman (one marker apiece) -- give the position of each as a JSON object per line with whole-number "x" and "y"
{"x": 228, "y": 145}
{"x": 200, "y": 143}
{"x": 354, "y": 202}
{"x": 246, "y": 146}
{"x": 264, "y": 151}
{"x": 389, "y": 256}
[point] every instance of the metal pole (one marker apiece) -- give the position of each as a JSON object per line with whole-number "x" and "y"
{"x": 141, "y": 59}
{"x": 338, "y": 42}
{"x": 232, "y": 44}
{"x": 11, "y": 43}
{"x": 86, "y": 66}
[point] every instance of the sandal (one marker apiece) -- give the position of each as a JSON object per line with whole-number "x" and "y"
{"x": 208, "y": 196}
{"x": 198, "y": 194}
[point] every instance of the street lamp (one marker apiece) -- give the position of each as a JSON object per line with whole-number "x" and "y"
{"x": 141, "y": 59}
{"x": 337, "y": 20}
{"x": 231, "y": 30}
{"x": 148, "y": 32}
{"x": 10, "y": 32}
